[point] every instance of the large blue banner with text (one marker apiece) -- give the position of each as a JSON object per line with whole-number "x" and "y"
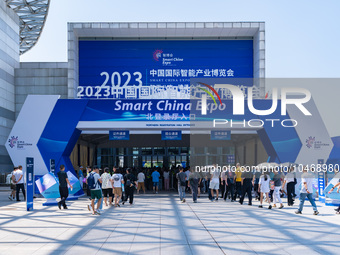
{"x": 162, "y": 68}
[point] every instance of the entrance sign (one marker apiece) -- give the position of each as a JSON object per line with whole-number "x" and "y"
{"x": 29, "y": 182}
{"x": 171, "y": 135}
{"x": 119, "y": 135}
{"x": 220, "y": 135}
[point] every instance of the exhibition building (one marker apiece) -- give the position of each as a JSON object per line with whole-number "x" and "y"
{"x": 147, "y": 94}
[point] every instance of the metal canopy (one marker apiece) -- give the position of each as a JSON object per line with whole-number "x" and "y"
{"x": 32, "y": 14}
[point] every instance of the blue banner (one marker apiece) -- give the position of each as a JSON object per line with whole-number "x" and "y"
{"x": 321, "y": 179}
{"x": 119, "y": 135}
{"x": 29, "y": 181}
{"x": 52, "y": 166}
{"x": 220, "y": 135}
{"x": 136, "y": 69}
{"x": 171, "y": 135}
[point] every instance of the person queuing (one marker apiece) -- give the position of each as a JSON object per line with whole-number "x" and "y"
{"x": 307, "y": 191}
{"x": 63, "y": 188}
{"x": 140, "y": 182}
{"x": 290, "y": 180}
{"x": 182, "y": 178}
{"x": 18, "y": 179}
{"x": 337, "y": 210}
{"x": 130, "y": 185}
{"x": 277, "y": 187}
{"x": 155, "y": 180}
{"x": 166, "y": 176}
{"x": 263, "y": 189}
{"x": 246, "y": 182}
{"x": 107, "y": 186}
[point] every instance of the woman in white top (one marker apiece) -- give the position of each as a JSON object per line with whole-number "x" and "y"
{"x": 264, "y": 189}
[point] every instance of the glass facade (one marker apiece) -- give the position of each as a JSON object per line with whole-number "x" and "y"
{"x": 163, "y": 156}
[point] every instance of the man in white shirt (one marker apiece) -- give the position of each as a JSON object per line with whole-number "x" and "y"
{"x": 117, "y": 180}
{"x": 307, "y": 191}
{"x": 140, "y": 182}
{"x": 18, "y": 179}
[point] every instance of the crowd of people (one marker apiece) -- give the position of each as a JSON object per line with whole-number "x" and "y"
{"x": 268, "y": 185}
{"x": 116, "y": 186}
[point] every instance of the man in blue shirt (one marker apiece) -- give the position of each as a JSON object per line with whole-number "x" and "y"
{"x": 155, "y": 179}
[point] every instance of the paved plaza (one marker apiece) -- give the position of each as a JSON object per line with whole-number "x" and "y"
{"x": 160, "y": 224}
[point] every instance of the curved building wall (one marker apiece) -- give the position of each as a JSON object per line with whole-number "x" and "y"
{"x": 9, "y": 60}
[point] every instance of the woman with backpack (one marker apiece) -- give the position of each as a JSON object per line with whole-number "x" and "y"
{"x": 264, "y": 183}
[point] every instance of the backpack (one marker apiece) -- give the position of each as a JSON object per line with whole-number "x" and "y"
{"x": 90, "y": 181}
{"x": 128, "y": 181}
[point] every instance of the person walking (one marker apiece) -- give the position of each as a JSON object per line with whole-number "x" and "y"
{"x": 130, "y": 186}
{"x": 290, "y": 181}
{"x": 277, "y": 187}
{"x": 94, "y": 181}
{"x": 117, "y": 181}
{"x": 155, "y": 180}
{"x": 18, "y": 179}
{"x": 214, "y": 182}
{"x": 256, "y": 179}
{"x": 246, "y": 182}
{"x": 181, "y": 177}
{"x": 140, "y": 182}
{"x": 238, "y": 181}
{"x": 223, "y": 184}
{"x": 187, "y": 187}
{"x": 194, "y": 178}
{"x": 166, "y": 176}
{"x": 263, "y": 189}
{"x": 307, "y": 191}
{"x": 107, "y": 186}
{"x": 230, "y": 185}
{"x": 63, "y": 188}
{"x": 337, "y": 210}
{"x": 10, "y": 180}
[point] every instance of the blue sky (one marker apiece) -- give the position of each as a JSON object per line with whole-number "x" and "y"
{"x": 302, "y": 37}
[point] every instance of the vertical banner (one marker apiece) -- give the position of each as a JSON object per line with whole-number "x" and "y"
{"x": 321, "y": 182}
{"x": 29, "y": 181}
{"x": 52, "y": 166}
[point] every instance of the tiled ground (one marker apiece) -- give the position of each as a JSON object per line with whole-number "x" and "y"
{"x": 160, "y": 224}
